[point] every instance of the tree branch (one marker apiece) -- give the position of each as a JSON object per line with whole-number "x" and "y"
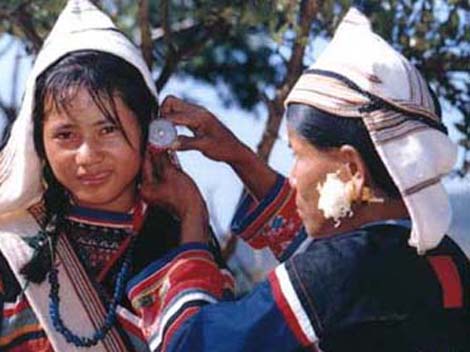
{"x": 167, "y": 32}
{"x": 308, "y": 12}
{"x": 145, "y": 37}
{"x": 174, "y": 56}
{"x": 22, "y": 18}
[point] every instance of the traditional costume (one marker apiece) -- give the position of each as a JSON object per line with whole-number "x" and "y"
{"x": 90, "y": 254}
{"x": 96, "y": 250}
{"x": 394, "y": 285}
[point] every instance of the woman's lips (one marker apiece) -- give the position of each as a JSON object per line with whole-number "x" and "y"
{"x": 94, "y": 179}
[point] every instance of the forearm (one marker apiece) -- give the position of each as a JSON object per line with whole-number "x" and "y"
{"x": 195, "y": 225}
{"x": 255, "y": 174}
{"x": 171, "y": 290}
{"x": 179, "y": 300}
{"x": 271, "y": 222}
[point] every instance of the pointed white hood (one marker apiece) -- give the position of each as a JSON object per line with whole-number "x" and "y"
{"x": 81, "y": 26}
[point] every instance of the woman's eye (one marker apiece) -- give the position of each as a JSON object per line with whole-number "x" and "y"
{"x": 109, "y": 129}
{"x": 64, "y": 135}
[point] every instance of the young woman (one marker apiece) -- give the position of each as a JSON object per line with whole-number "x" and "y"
{"x": 77, "y": 219}
{"x": 369, "y": 267}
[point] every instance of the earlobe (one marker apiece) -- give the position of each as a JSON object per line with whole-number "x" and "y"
{"x": 358, "y": 189}
{"x": 358, "y": 176}
{"x": 355, "y": 166}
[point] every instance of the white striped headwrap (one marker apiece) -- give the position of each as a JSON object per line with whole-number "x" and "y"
{"x": 359, "y": 75}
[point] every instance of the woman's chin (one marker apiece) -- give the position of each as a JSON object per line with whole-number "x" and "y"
{"x": 97, "y": 202}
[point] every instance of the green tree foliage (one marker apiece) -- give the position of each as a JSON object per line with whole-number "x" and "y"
{"x": 255, "y": 49}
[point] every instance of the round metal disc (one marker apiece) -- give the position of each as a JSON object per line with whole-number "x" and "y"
{"x": 162, "y": 133}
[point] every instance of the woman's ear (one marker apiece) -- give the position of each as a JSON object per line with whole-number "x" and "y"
{"x": 355, "y": 167}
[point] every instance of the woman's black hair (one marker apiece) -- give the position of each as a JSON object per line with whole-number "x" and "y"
{"x": 104, "y": 76}
{"x": 324, "y": 131}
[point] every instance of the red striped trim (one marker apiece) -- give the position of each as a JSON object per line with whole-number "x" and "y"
{"x": 138, "y": 212}
{"x": 20, "y": 332}
{"x": 267, "y": 213}
{"x": 449, "y": 278}
{"x": 229, "y": 281}
{"x": 155, "y": 277}
{"x": 18, "y": 308}
{"x": 37, "y": 345}
{"x": 192, "y": 275}
{"x": 129, "y": 326}
{"x": 188, "y": 312}
{"x": 286, "y": 311}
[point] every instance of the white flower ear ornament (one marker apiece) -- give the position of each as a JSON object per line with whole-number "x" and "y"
{"x": 337, "y": 197}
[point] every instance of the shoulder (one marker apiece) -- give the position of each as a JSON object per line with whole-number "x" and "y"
{"x": 358, "y": 272}
{"x": 369, "y": 275}
{"x": 344, "y": 252}
{"x": 21, "y": 223}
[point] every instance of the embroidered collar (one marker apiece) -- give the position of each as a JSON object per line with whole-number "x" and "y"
{"x": 131, "y": 220}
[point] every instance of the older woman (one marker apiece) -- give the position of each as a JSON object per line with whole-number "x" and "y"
{"x": 371, "y": 269}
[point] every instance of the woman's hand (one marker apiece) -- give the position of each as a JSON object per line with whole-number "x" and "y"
{"x": 211, "y": 137}
{"x": 217, "y": 142}
{"x": 167, "y": 186}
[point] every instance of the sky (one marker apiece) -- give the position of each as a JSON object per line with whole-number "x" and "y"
{"x": 218, "y": 183}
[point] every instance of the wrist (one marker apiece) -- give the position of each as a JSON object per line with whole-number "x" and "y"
{"x": 241, "y": 156}
{"x": 194, "y": 225}
{"x": 255, "y": 173}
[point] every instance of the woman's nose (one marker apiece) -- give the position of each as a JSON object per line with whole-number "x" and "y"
{"x": 88, "y": 153}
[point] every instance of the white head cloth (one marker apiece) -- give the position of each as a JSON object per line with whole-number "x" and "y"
{"x": 81, "y": 26}
{"x": 415, "y": 155}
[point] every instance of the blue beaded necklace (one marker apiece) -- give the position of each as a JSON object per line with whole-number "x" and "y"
{"x": 100, "y": 333}
{"x": 111, "y": 313}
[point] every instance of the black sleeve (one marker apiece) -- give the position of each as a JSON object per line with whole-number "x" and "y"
{"x": 9, "y": 286}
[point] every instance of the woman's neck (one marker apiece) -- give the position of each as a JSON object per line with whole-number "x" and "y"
{"x": 366, "y": 213}
{"x": 123, "y": 204}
